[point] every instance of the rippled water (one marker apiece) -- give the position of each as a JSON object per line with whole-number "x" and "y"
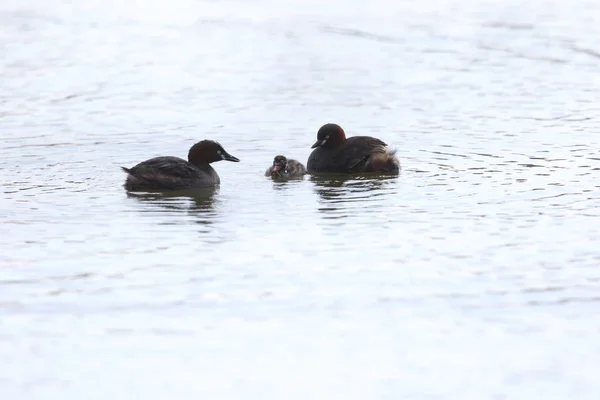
{"x": 473, "y": 275}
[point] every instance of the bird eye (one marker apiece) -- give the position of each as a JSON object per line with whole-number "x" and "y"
{"x": 218, "y": 151}
{"x": 327, "y": 137}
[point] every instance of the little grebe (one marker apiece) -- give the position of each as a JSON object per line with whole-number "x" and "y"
{"x": 284, "y": 168}
{"x": 174, "y": 173}
{"x": 334, "y": 153}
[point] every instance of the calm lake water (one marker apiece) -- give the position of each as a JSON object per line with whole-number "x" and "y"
{"x": 473, "y": 275}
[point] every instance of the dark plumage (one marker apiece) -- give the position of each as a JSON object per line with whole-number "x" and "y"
{"x": 174, "y": 173}
{"x": 334, "y": 153}
{"x": 284, "y": 168}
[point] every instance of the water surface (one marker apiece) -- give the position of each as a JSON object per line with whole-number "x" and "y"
{"x": 472, "y": 275}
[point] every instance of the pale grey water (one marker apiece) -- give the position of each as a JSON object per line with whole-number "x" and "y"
{"x": 473, "y": 275}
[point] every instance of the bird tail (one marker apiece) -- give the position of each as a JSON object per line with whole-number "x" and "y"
{"x": 385, "y": 162}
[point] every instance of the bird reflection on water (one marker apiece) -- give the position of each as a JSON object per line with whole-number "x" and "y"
{"x": 286, "y": 184}
{"x": 200, "y": 203}
{"x": 338, "y": 192}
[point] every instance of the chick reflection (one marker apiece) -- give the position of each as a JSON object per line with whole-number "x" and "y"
{"x": 338, "y": 192}
{"x": 285, "y": 184}
{"x": 198, "y": 202}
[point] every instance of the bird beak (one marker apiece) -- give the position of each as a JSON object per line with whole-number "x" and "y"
{"x": 228, "y": 157}
{"x": 318, "y": 143}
